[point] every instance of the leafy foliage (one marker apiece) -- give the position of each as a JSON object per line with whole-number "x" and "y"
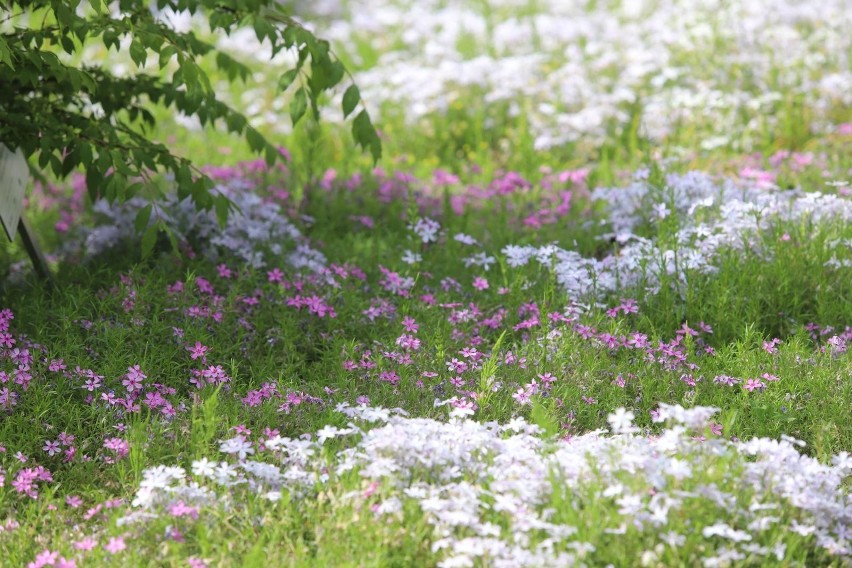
{"x": 71, "y": 116}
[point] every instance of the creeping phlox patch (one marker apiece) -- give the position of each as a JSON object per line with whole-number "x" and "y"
{"x": 711, "y": 217}
{"x": 704, "y": 218}
{"x": 575, "y": 69}
{"x": 506, "y": 495}
{"x": 257, "y": 233}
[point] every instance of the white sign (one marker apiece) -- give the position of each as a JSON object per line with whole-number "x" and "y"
{"x": 14, "y": 175}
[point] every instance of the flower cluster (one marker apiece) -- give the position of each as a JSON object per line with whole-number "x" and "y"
{"x": 504, "y": 493}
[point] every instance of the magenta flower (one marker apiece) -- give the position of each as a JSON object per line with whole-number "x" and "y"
{"x": 87, "y": 543}
{"x": 119, "y": 446}
{"x": 181, "y": 509}
{"x": 73, "y": 501}
{"x": 134, "y": 378}
{"x": 224, "y": 271}
{"x": 115, "y": 545}
{"x": 409, "y": 324}
{"x": 52, "y": 448}
{"x": 66, "y": 439}
{"x": 197, "y": 351}
{"x": 521, "y": 396}
{"x": 754, "y": 384}
{"x": 44, "y": 558}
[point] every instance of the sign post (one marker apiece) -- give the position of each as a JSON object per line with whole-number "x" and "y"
{"x": 14, "y": 175}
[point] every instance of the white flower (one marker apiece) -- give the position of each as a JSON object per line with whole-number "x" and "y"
{"x": 272, "y": 496}
{"x": 673, "y": 539}
{"x": 427, "y": 229}
{"x": 679, "y": 469}
{"x": 465, "y": 239}
{"x": 462, "y": 412}
{"x": 328, "y": 432}
{"x": 411, "y": 257}
{"x": 203, "y": 467}
{"x": 237, "y": 445}
{"x": 725, "y": 531}
{"x": 843, "y": 462}
{"x": 621, "y": 421}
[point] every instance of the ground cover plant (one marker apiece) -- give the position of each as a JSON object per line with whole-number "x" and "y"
{"x": 592, "y": 308}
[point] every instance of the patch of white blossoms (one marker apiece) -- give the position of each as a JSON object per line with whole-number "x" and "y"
{"x": 258, "y": 233}
{"x": 711, "y": 216}
{"x": 505, "y": 495}
{"x": 574, "y": 67}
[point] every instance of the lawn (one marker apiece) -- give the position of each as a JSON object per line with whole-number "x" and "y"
{"x": 592, "y": 308}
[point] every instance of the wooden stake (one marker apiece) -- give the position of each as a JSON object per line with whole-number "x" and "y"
{"x": 39, "y": 262}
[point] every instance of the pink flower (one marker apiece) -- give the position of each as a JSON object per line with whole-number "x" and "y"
{"x": 521, "y": 396}
{"x": 181, "y": 509}
{"x": 275, "y": 275}
{"x": 198, "y": 351}
{"x": 44, "y": 558}
{"x": 754, "y": 384}
{"x": 769, "y": 346}
{"x": 52, "y": 448}
{"x": 480, "y": 283}
{"x": 119, "y": 446}
{"x": 87, "y": 543}
{"x": 224, "y": 271}
{"x": 115, "y": 545}
{"x": 686, "y": 330}
{"x": 73, "y": 501}
{"x": 66, "y": 439}
{"x": 408, "y": 342}
{"x": 409, "y": 324}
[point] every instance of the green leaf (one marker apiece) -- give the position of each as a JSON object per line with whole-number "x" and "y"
{"x": 236, "y": 122}
{"x": 138, "y": 53}
{"x": 166, "y": 55}
{"x": 149, "y": 239}
{"x": 142, "y": 218}
{"x": 350, "y": 100}
{"x": 263, "y": 28}
{"x": 111, "y": 39}
{"x": 366, "y": 136}
{"x": 255, "y": 139}
{"x": 67, "y": 44}
{"x": 222, "y": 205}
{"x": 94, "y": 180}
{"x": 298, "y": 105}
{"x": 6, "y": 54}
{"x": 287, "y": 79}
{"x": 272, "y": 154}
